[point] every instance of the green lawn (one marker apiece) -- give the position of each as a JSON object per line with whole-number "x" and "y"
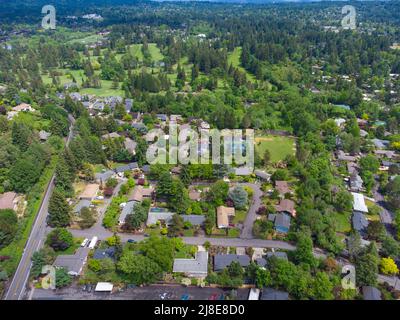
{"x": 87, "y": 39}
{"x": 278, "y": 146}
{"x": 343, "y": 222}
{"x": 234, "y": 59}
{"x": 156, "y": 55}
{"x": 240, "y": 216}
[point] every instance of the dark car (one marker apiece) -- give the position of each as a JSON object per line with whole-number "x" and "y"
{"x": 131, "y": 241}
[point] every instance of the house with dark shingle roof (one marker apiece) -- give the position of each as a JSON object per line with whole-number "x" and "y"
{"x": 371, "y": 293}
{"x": 360, "y": 223}
{"x": 286, "y": 206}
{"x": 221, "y": 261}
{"x": 273, "y": 294}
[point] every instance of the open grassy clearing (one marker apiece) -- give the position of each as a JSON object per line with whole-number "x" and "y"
{"x": 234, "y": 59}
{"x": 278, "y": 146}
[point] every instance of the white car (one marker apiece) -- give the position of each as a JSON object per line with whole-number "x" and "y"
{"x": 84, "y": 243}
{"x": 99, "y": 198}
{"x": 122, "y": 205}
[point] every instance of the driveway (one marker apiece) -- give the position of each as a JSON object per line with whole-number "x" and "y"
{"x": 247, "y": 230}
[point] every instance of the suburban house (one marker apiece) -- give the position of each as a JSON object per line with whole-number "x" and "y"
{"x": 221, "y": 261}
{"x": 127, "y": 167}
{"x": 8, "y": 200}
{"x": 194, "y": 219}
{"x": 127, "y": 209}
{"x": 341, "y": 156}
{"x": 159, "y": 214}
{"x": 130, "y": 145}
{"x": 359, "y": 203}
{"x": 282, "y": 187}
{"x": 73, "y": 263}
{"x": 194, "y": 268}
{"x": 281, "y": 222}
{"x": 273, "y": 294}
{"x": 90, "y": 192}
{"x": 162, "y": 117}
{"x": 223, "y": 215}
{"x": 80, "y": 205}
{"x": 139, "y": 193}
{"x": 286, "y": 206}
{"x": 360, "y": 223}
{"x": 371, "y": 293}
{"x": 380, "y": 144}
{"x": 351, "y": 168}
{"x": 356, "y": 183}
{"x": 390, "y": 154}
{"x": 104, "y": 176}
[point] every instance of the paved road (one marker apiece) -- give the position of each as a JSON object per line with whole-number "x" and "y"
{"x": 226, "y": 242}
{"x": 17, "y": 287}
{"x": 386, "y": 216}
{"x": 152, "y": 292}
{"x": 247, "y": 231}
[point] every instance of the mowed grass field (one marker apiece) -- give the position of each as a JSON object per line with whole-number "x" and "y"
{"x": 278, "y": 146}
{"x": 106, "y": 89}
{"x": 234, "y": 59}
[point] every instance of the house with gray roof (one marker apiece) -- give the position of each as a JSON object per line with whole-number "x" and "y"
{"x": 360, "y": 223}
{"x": 194, "y": 219}
{"x": 128, "y": 209}
{"x": 221, "y": 261}
{"x": 380, "y": 144}
{"x": 281, "y": 222}
{"x": 127, "y": 167}
{"x": 73, "y": 263}
{"x": 84, "y": 203}
{"x": 104, "y": 176}
{"x": 356, "y": 183}
{"x": 371, "y": 293}
{"x": 157, "y": 214}
{"x": 196, "y": 268}
{"x": 273, "y": 294}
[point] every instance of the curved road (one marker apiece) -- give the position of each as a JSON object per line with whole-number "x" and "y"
{"x": 17, "y": 287}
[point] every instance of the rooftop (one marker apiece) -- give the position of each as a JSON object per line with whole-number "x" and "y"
{"x": 359, "y": 203}
{"x": 222, "y": 261}
{"x": 273, "y": 294}
{"x": 193, "y": 267}
{"x": 73, "y": 263}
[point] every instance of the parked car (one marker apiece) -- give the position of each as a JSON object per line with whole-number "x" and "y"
{"x": 84, "y": 242}
{"x": 185, "y": 297}
{"x": 131, "y": 241}
{"x": 99, "y": 198}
